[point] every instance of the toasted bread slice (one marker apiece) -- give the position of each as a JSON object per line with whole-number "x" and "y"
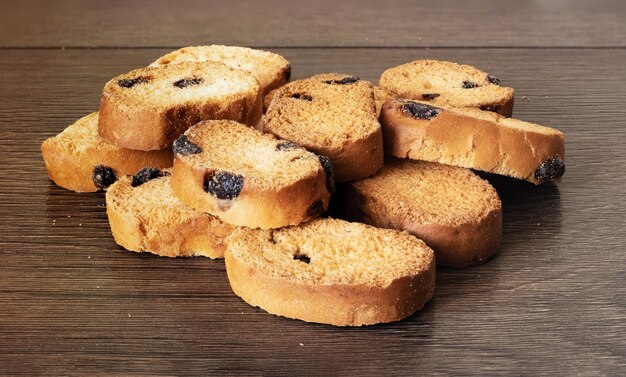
{"x": 148, "y": 108}
{"x": 145, "y": 215}
{"x": 270, "y": 69}
{"x": 248, "y": 178}
{"x": 442, "y": 82}
{"x": 331, "y": 271}
{"x": 381, "y": 95}
{"x": 474, "y": 139}
{"x": 333, "y": 115}
{"x": 457, "y": 214}
{"x": 78, "y": 159}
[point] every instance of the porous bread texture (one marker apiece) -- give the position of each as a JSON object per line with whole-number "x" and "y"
{"x": 336, "y": 120}
{"x": 331, "y": 271}
{"x": 150, "y": 218}
{"x": 473, "y": 139}
{"x": 270, "y": 69}
{"x": 270, "y": 186}
{"x": 442, "y": 82}
{"x": 72, "y": 155}
{"x": 457, "y": 214}
{"x": 381, "y": 95}
{"x": 147, "y": 108}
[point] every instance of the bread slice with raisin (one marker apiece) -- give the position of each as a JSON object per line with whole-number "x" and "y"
{"x": 148, "y": 108}
{"x": 457, "y": 214}
{"x": 78, "y": 159}
{"x": 442, "y": 82}
{"x": 248, "y": 178}
{"x": 331, "y": 271}
{"x": 144, "y": 215}
{"x": 475, "y": 139}
{"x": 270, "y": 69}
{"x": 330, "y": 114}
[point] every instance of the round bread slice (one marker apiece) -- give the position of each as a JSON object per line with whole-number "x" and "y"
{"x": 331, "y": 271}
{"x": 442, "y": 82}
{"x": 330, "y": 114}
{"x": 474, "y": 139}
{"x": 270, "y": 69}
{"x": 457, "y": 214}
{"x": 78, "y": 159}
{"x": 248, "y": 178}
{"x": 148, "y": 108}
{"x": 144, "y": 215}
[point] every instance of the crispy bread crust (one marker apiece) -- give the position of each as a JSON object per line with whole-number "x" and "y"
{"x": 352, "y": 299}
{"x": 254, "y": 207}
{"x": 256, "y": 204}
{"x": 461, "y": 246}
{"x": 396, "y": 82}
{"x": 460, "y": 139}
{"x": 198, "y": 236}
{"x": 271, "y": 77}
{"x": 355, "y": 158}
{"x": 73, "y": 171}
{"x": 151, "y": 128}
{"x": 339, "y": 305}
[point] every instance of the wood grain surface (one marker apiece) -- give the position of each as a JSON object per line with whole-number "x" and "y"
{"x": 552, "y": 302}
{"x": 280, "y": 23}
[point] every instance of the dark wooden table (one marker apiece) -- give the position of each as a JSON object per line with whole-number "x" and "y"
{"x": 551, "y": 302}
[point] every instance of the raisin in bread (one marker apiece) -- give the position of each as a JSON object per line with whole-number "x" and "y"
{"x": 333, "y": 115}
{"x": 331, "y": 271}
{"x": 442, "y": 82}
{"x": 145, "y": 215}
{"x": 148, "y": 108}
{"x": 474, "y": 139}
{"x": 78, "y": 159}
{"x": 270, "y": 69}
{"x": 457, "y": 214}
{"x": 248, "y": 178}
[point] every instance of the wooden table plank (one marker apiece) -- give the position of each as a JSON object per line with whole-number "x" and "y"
{"x": 552, "y": 301}
{"x": 282, "y": 23}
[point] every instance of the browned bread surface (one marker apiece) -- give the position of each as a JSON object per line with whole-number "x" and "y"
{"x": 248, "y": 178}
{"x": 474, "y": 139}
{"x": 381, "y": 95}
{"x": 442, "y": 82}
{"x": 144, "y": 215}
{"x": 146, "y": 109}
{"x": 270, "y": 69}
{"x": 78, "y": 159}
{"x": 331, "y": 271}
{"x": 457, "y": 214}
{"x": 333, "y": 115}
